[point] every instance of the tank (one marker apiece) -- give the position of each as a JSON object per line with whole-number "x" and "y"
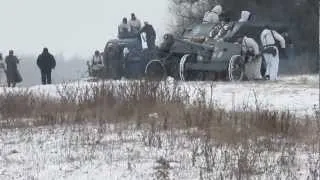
{"x": 207, "y": 51}
{"x": 123, "y": 57}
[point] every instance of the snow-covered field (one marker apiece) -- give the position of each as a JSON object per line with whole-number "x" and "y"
{"x": 83, "y": 153}
{"x": 299, "y": 94}
{"x": 123, "y": 151}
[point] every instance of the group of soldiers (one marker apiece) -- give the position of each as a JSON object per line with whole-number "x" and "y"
{"x": 9, "y": 72}
{"x": 129, "y": 29}
{"x": 270, "y": 52}
{"x": 250, "y": 48}
{"x": 133, "y": 28}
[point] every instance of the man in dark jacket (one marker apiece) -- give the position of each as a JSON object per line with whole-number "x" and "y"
{"x": 46, "y": 63}
{"x": 12, "y": 69}
{"x": 150, "y": 35}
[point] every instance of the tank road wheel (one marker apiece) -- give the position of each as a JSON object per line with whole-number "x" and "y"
{"x": 185, "y": 74}
{"x": 236, "y": 68}
{"x": 155, "y": 70}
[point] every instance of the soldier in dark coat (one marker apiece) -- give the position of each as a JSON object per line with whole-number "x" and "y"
{"x": 46, "y": 63}
{"x": 12, "y": 69}
{"x": 150, "y": 35}
{"x": 113, "y": 60}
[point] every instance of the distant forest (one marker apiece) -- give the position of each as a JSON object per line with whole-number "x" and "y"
{"x": 301, "y": 15}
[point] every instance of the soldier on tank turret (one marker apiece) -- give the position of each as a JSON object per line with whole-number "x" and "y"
{"x": 124, "y": 29}
{"x": 150, "y": 34}
{"x": 212, "y": 16}
{"x": 245, "y": 16}
{"x": 135, "y": 24}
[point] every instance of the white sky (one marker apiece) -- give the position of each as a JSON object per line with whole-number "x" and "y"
{"x": 71, "y": 27}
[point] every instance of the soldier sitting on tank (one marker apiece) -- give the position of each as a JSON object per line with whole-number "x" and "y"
{"x": 212, "y": 16}
{"x": 135, "y": 24}
{"x": 97, "y": 61}
{"x": 245, "y": 16}
{"x": 224, "y": 28}
{"x": 124, "y": 29}
{"x": 96, "y": 65}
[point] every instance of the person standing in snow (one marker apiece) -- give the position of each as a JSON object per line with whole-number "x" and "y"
{"x": 212, "y": 16}
{"x": 46, "y": 62}
{"x": 3, "y": 76}
{"x": 124, "y": 29}
{"x": 245, "y": 16}
{"x": 150, "y": 35}
{"x": 135, "y": 24}
{"x": 270, "y": 51}
{"x": 253, "y": 61}
{"x": 12, "y": 69}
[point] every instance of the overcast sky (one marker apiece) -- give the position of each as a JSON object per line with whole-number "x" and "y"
{"x": 71, "y": 27}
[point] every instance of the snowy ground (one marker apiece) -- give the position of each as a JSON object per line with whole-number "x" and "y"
{"x": 299, "y": 94}
{"x": 83, "y": 153}
{"x": 124, "y": 152}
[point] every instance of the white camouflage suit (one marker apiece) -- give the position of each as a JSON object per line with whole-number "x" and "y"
{"x": 272, "y": 62}
{"x": 135, "y": 25}
{"x": 244, "y": 16}
{"x": 253, "y": 66}
{"x": 97, "y": 62}
{"x": 213, "y": 15}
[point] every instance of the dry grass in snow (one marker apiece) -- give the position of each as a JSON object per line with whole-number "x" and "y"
{"x": 150, "y": 130}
